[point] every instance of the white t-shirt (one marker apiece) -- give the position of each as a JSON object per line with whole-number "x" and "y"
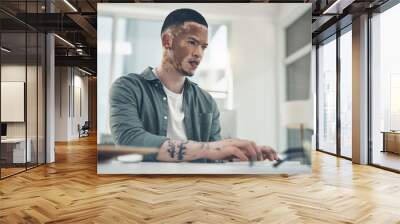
{"x": 176, "y": 126}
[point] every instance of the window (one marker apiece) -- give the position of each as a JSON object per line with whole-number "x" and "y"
{"x": 394, "y": 102}
{"x": 385, "y": 88}
{"x": 335, "y": 74}
{"x": 346, "y": 93}
{"x": 327, "y": 96}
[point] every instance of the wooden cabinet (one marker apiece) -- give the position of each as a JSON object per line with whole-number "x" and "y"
{"x": 391, "y": 142}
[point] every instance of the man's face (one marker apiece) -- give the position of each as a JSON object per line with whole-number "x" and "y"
{"x": 188, "y": 45}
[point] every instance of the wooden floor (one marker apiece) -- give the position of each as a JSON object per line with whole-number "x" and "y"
{"x": 70, "y": 191}
{"x": 10, "y": 171}
{"x": 387, "y": 159}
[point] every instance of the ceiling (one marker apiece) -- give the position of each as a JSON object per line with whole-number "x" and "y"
{"x": 76, "y": 21}
{"x": 240, "y": 10}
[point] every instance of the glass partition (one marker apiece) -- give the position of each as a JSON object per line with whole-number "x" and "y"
{"x": 22, "y": 91}
{"x": 14, "y": 153}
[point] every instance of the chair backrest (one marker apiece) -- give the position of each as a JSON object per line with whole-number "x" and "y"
{"x": 86, "y": 125}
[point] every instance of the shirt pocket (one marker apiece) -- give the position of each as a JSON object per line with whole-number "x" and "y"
{"x": 205, "y": 122}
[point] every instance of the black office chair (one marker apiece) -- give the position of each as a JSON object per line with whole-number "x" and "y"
{"x": 84, "y": 130}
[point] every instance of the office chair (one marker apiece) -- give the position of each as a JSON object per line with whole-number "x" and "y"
{"x": 84, "y": 130}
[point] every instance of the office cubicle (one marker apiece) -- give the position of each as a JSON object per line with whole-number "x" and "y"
{"x": 22, "y": 77}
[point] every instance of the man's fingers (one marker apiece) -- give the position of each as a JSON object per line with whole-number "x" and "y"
{"x": 250, "y": 150}
{"x": 247, "y": 146}
{"x": 239, "y": 154}
{"x": 276, "y": 155}
{"x": 269, "y": 153}
{"x": 258, "y": 151}
{"x": 259, "y": 154}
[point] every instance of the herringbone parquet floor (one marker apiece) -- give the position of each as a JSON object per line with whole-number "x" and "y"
{"x": 70, "y": 191}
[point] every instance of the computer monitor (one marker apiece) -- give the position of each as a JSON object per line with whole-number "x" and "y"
{"x": 3, "y": 129}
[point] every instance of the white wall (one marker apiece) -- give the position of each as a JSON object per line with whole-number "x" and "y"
{"x": 33, "y": 126}
{"x": 68, "y": 82}
{"x": 290, "y": 114}
{"x": 61, "y": 103}
{"x": 77, "y": 117}
{"x": 12, "y": 73}
{"x": 254, "y": 73}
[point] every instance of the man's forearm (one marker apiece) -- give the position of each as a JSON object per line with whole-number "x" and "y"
{"x": 177, "y": 151}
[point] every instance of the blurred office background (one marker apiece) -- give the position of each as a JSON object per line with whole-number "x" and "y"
{"x": 257, "y": 65}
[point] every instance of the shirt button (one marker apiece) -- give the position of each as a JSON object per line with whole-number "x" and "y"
{"x": 164, "y": 98}
{"x": 165, "y": 117}
{"x": 156, "y": 85}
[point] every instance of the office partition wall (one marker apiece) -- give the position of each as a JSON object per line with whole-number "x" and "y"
{"x": 22, "y": 77}
{"x": 13, "y": 79}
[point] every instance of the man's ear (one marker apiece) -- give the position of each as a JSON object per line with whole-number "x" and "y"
{"x": 166, "y": 39}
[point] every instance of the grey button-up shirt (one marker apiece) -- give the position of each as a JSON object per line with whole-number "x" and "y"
{"x": 139, "y": 112}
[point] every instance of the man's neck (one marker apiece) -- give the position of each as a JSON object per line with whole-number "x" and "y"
{"x": 171, "y": 78}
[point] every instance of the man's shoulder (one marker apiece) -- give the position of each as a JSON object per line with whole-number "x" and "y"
{"x": 128, "y": 84}
{"x": 128, "y": 80}
{"x": 129, "y": 77}
{"x": 203, "y": 94}
{"x": 136, "y": 78}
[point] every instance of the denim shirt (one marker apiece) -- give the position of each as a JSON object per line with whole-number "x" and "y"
{"x": 139, "y": 112}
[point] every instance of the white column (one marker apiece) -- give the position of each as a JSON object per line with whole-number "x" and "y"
{"x": 50, "y": 99}
{"x": 50, "y": 92}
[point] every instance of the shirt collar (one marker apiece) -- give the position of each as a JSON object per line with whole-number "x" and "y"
{"x": 150, "y": 76}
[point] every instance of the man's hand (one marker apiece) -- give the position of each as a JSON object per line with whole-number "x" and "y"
{"x": 243, "y": 150}
{"x": 268, "y": 153}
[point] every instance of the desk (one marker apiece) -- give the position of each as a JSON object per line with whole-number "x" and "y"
{"x": 260, "y": 167}
{"x": 391, "y": 142}
{"x": 15, "y": 148}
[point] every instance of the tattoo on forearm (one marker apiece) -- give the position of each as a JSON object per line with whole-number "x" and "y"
{"x": 182, "y": 150}
{"x": 177, "y": 149}
{"x": 171, "y": 149}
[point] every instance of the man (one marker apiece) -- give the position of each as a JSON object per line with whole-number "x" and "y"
{"x": 164, "y": 109}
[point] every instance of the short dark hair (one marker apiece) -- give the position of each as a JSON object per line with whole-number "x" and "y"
{"x": 180, "y": 16}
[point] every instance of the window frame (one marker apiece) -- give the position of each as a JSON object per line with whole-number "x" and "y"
{"x": 334, "y": 37}
{"x": 379, "y": 10}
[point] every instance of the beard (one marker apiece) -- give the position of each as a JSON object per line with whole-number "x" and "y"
{"x": 177, "y": 64}
{"x": 179, "y": 68}
{"x": 185, "y": 73}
